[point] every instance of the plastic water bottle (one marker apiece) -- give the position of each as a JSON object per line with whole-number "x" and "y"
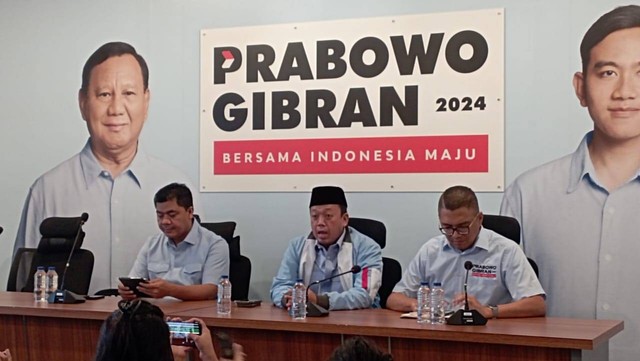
{"x": 40, "y": 284}
{"x": 436, "y": 304}
{"x": 423, "y": 303}
{"x": 299, "y": 301}
{"x": 224, "y": 296}
{"x": 52, "y": 281}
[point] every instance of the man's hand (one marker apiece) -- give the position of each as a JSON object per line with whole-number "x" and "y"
{"x": 125, "y": 292}
{"x": 474, "y": 304}
{"x": 156, "y": 288}
{"x": 398, "y": 301}
{"x": 238, "y": 353}
{"x": 6, "y": 355}
{"x": 286, "y": 298}
{"x": 180, "y": 353}
{"x": 312, "y": 297}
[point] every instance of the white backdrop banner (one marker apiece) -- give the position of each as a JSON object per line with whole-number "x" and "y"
{"x": 404, "y": 103}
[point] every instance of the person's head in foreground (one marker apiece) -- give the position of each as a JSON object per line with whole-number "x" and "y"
{"x": 134, "y": 332}
{"x": 137, "y": 331}
{"x": 359, "y": 349}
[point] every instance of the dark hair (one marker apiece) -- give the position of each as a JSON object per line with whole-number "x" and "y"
{"x": 177, "y": 191}
{"x": 109, "y": 50}
{"x": 359, "y": 349}
{"x": 136, "y": 331}
{"x": 620, "y": 18}
{"x": 457, "y": 197}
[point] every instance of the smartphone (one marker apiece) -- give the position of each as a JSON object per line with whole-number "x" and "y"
{"x": 180, "y": 331}
{"x": 250, "y": 303}
{"x": 132, "y": 283}
{"x": 226, "y": 344}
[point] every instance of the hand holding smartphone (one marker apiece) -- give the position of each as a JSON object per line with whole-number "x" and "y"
{"x": 132, "y": 283}
{"x": 180, "y": 331}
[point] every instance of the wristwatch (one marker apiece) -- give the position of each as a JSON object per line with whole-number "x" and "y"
{"x": 494, "y": 311}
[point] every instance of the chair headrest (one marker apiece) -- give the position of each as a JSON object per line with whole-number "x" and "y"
{"x": 65, "y": 227}
{"x": 507, "y": 226}
{"x": 222, "y": 229}
{"x": 59, "y": 233}
{"x": 371, "y": 228}
{"x": 58, "y": 244}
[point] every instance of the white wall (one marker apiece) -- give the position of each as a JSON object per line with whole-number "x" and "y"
{"x": 44, "y": 44}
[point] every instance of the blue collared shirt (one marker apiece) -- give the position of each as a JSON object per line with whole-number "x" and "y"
{"x": 501, "y": 272}
{"x": 202, "y": 257}
{"x": 121, "y": 210}
{"x": 583, "y": 239}
{"x": 325, "y": 266}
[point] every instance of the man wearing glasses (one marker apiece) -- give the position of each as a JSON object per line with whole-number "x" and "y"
{"x": 501, "y": 282}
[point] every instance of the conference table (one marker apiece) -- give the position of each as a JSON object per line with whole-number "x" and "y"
{"x": 40, "y": 331}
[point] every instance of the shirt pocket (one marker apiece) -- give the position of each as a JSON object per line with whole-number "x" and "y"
{"x": 158, "y": 270}
{"x": 193, "y": 273}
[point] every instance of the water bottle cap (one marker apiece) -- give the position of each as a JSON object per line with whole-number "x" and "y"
{"x": 224, "y": 276}
{"x": 437, "y": 284}
{"x": 299, "y": 280}
{"x": 424, "y": 283}
{"x": 40, "y": 268}
{"x": 52, "y": 268}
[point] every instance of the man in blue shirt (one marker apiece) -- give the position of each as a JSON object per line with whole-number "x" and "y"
{"x": 501, "y": 282}
{"x": 331, "y": 248}
{"x": 112, "y": 178}
{"x": 185, "y": 260}
{"x": 579, "y": 213}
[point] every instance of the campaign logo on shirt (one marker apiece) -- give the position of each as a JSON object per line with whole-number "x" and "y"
{"x": 484, "y": 271}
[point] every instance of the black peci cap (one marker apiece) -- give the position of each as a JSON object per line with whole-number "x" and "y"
{"x": 327, "y": 195}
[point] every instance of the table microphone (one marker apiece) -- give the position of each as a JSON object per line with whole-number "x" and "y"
{"x": 314, "y": 310}
{"x": 467, "y": 317}
{"x": 61, "y": 295}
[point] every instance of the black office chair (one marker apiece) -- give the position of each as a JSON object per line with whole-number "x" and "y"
{"x": 239, "y": 265}
{"x": 58, "y": 237}
{"x": 391, "y": 268}
{"x": 20, "y": 268}
{"x": 508, "y": 227}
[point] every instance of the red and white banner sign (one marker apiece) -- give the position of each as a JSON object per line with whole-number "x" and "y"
{"x": 408, "y": 103}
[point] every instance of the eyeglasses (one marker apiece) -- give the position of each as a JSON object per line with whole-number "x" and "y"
{"x": 463, "y": 231}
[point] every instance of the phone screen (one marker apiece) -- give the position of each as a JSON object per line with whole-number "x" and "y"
{"x": 180, "y": 331}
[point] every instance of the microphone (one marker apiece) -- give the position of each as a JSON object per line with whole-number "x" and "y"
{"x": 468, "y": 266}
{"x": 1, "y": 229}
{"x": 61, "y": 295}
{"x": 467, "y": 317}
{"x": 314, "y": 310}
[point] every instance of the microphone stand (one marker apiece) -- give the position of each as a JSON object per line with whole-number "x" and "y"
{"x": 315, "y": 310}
{"x": 467, "y": 317}
{"x": 61, "y": 295}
